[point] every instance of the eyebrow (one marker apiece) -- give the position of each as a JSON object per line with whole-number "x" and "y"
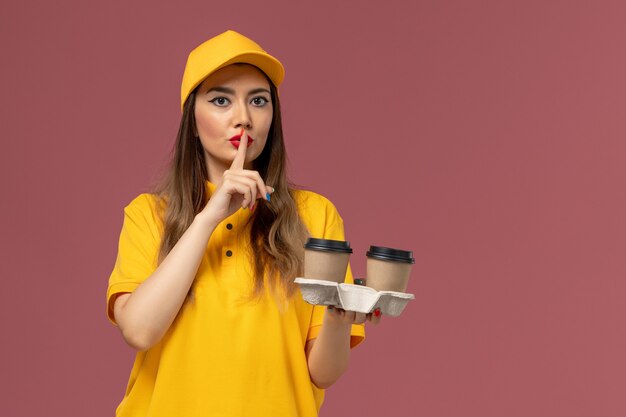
{"x": 228, "y": 90}
{"x": 258, "y": 90}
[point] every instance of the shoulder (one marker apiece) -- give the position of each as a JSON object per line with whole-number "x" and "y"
{"x": 311, "y": 202}
{"x": 316, "y": 211}
{"x": 142, "y": 203}
{"x": 145, "y": 207}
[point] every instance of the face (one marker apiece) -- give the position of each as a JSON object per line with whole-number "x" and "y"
{"x": 232, "y": 98}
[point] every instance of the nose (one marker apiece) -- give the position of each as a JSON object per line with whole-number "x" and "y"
{"x": 242, "y": 116}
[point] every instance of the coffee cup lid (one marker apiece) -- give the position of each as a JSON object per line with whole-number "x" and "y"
{"x": 328, "y": 245}
{"x": 389, "y": 254}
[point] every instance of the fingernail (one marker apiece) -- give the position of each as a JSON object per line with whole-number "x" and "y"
{"x": 358, "y": 281}
{"x": 377, "y": 312}
{"x": 267, "y": 196}
{"x": 272, "y": 190}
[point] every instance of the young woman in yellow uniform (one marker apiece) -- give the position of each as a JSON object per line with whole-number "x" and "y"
{"x": 203, "y": 286}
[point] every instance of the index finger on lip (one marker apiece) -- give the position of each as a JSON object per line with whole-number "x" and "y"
{"x": 240, "y": 157}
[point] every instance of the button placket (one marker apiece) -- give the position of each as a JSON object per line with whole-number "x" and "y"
{"x": 230, "y": 240}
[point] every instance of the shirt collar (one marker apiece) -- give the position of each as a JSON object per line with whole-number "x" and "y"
{"x": 210, "y": 187}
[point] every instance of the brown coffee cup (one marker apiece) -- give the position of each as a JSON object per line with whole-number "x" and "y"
{"x": 326, "y": 259}
{"x": 388, "y": 269}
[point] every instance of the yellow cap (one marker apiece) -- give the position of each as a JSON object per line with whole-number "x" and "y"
{"x": 227, "y": 48}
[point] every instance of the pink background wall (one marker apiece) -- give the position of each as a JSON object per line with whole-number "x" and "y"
{"x": 486, "y": 136}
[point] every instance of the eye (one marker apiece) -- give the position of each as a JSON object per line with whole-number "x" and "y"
{"x": 260, "y": 101}
{"x": 220, "y": 101}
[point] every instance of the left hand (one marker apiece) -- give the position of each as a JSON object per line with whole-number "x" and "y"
{"x": 339, "y": 315}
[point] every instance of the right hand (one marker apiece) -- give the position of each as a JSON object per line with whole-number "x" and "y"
{"x": 239, "y": 188}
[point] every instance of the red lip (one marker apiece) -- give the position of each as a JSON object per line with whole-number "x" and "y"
{"x": 235, "y": 140}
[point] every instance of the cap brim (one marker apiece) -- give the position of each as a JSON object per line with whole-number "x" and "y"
{"x": 265, "y": 62}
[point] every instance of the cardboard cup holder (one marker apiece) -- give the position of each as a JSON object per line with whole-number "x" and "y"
{"x": 318, "y": 292}
{"x": 352, "y": 297}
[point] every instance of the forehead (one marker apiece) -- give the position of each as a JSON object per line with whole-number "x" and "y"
{"x": 234, "y": 75}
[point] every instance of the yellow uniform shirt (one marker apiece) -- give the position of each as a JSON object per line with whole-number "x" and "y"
{"x": 221, "y": 356}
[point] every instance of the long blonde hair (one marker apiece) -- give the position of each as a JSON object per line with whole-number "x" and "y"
{"x": 277, "y": 234}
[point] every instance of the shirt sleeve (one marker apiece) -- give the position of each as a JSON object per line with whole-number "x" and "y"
{"x": 357, "y": 333}
{"x": 137, "y": 252}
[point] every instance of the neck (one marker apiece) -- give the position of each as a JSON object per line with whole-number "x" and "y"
{"x": 215, "y": 171}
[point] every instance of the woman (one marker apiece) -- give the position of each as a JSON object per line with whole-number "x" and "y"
{"x": 203, "y": 283}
